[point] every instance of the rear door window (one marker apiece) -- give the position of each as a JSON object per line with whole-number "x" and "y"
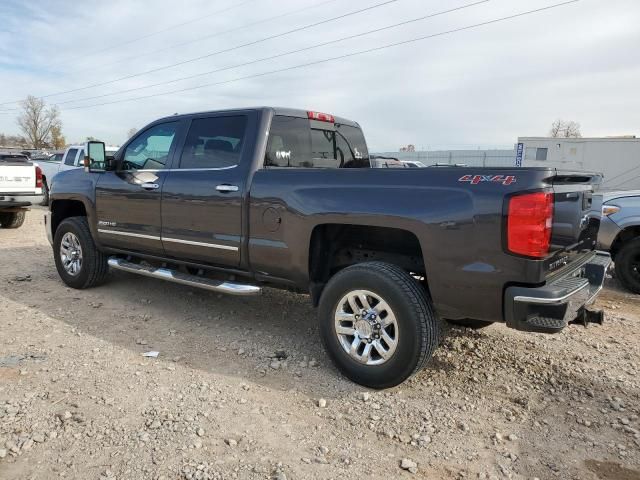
{"x": 214, "y": 142}
{"x": 70, "y": 159}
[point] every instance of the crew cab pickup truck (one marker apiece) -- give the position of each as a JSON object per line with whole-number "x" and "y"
{"x": 72, "y": 157}
{"x": 235, "y": 200}
{"x": 20, "y": 187}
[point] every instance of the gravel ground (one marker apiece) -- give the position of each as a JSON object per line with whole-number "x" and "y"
{"x": 242, "y": 389}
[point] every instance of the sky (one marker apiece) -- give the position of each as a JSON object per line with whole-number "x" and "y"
{"x": 477, "y": 87}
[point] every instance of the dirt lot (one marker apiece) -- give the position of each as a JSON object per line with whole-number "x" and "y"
{"x": 78, "y": 399}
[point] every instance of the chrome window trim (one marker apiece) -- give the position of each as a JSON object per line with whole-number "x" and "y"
{"x": 154, "y": 170}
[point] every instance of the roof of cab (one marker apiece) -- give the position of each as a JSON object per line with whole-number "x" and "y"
{"x": 289, "y": 112}
{"x": 110, "y": 148}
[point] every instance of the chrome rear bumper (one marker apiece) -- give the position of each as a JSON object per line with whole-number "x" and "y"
{"x": 552, "y": 307}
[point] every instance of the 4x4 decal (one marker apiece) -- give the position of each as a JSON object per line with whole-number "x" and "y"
{"x": 476, "y": 179}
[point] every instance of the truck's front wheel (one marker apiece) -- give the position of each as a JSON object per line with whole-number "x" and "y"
{"x": 79, "y": 262}
{"x": 377, "y": 324}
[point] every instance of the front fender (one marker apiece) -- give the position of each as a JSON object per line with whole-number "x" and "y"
{"x": 74, "y": 186}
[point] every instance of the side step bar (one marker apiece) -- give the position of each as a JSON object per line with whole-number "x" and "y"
{"x": 185, "y": 279}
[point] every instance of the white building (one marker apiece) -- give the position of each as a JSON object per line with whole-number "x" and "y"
{"x": 618, "y": 158}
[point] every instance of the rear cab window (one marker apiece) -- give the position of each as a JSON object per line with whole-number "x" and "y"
{"x": 302, "y": 143}
{"x": 70, "y": 159}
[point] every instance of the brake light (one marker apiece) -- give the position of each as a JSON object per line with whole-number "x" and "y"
{"x": 38, "y": 177}
{"x": 321, "y": 117}
{"x": 529, "y": 223}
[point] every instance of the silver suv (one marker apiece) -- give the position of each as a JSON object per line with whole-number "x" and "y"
{"x": 620, "y": 235}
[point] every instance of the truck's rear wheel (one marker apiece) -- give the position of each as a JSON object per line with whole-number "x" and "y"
{"x": 12, "y": 219}
{"x": 79, "y": 262}
{"x": 627, "y": 263}
{"x": 45, "y": 193}
{"x": 377, "y": 324}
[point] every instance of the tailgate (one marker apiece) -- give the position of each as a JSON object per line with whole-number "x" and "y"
{"x": 17, "y": 177}
{"x": 576, "y": 219}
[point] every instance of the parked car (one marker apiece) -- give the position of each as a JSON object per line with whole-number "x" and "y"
{"x": 72, "y": 157}
{"x": 620, "y": 235}
{"x": 413, "y": 164}
{"x": 378, "y": 161}
{"x": 56, "y": 157}
{"x": 231, "y": 201}
{"x": 20, "y": 187}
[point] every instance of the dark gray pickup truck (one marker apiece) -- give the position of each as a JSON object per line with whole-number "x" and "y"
{"x": 235, "y": 200}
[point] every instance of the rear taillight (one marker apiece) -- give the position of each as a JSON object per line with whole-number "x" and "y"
{"x": 38, "y": 177}
{"x": 529, "y": 224}
{"x": 321, "y": 117}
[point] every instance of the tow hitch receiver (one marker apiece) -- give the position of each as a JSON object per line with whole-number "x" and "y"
{"x": 586, "y": 316}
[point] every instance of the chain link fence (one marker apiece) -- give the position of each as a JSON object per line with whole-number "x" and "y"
{"x": 471, "y": 158}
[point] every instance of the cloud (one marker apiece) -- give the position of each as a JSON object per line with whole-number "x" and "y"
{"x": 483, "y": 86}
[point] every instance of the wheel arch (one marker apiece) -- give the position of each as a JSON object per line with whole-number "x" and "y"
{"x": 335, "y": 246}
{"x": 62, "y": 209}
{"x": 628, "y": 233}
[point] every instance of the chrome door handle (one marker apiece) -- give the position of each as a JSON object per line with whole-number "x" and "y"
{"x": 150, "y": 186}
{"x": 227, "y": 188}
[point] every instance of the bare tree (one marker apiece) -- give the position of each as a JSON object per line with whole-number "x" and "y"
{"x": 408, "y": 148}
{"x": 131, "y": 132}
{"x": 57, "y": 139}
{"x": 556, "y": 128}
{"x": 37, "y": 120}
{"x": 565, "y": 129}
{"x": 572, "y": 130}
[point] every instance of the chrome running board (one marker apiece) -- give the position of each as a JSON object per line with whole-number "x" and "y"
{"x": 184, "y": 279}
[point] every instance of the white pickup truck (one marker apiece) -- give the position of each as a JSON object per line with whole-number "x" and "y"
{"x": 20, "y": 187}
{"x": 73, "y": 158}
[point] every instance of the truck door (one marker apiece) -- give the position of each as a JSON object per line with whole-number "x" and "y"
{"x": 202, "y": 197}
{"x": 128, "y": 199}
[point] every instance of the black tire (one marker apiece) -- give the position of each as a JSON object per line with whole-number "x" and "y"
{"x": 472, "y": 324}
{"x": 627, "y": 265}
{"x": 45, "y": 193}
{"x": 418, "y": 325}
{"x": 12, "y": 219}
{"x": 94, "y": 268}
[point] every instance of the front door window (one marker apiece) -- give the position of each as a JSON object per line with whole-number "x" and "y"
{"x": 150, "y": 150}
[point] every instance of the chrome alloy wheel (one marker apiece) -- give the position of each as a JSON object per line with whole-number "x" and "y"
{"x": 71, "y": 254}
{"x": 366, "y": 327}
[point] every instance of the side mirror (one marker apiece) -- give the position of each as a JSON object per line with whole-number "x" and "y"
{"x": 95, "y": 160}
